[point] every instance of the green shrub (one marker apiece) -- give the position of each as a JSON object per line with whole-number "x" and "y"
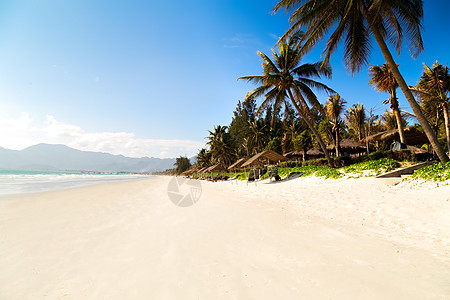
{"x": 435, "y": 172}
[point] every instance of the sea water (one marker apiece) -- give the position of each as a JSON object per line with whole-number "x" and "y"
{"x": 18, "y": 182}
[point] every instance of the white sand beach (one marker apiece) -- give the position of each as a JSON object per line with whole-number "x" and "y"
{"x": 307, "y": 238}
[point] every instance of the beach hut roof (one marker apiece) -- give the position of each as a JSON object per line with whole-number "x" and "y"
{"x": 262, "y": 158}
{"x": 238, "y": 163}
{"x": 413, "y": 136}
{"x": 347, "y": 144}
{"x": 215, "y": 168}
{"x": 310, "y": 152}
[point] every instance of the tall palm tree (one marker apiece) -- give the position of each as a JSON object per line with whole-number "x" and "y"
{"x": 434, "y": 88}
{"x": 384, "y": 81}
{"x": 219, "y": 144}
{"x": 334, "y": 107}
{"x": 357, "y": 21}
{"x": 356, "y": 118}
{"x": 284, "y": 78}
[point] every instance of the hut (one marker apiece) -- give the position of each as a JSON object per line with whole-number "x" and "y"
{"x": 238, "y": 163}
{"x": 413, "y": 136}
{"x": 349, "y": 147}
{"x": 264, "y": 158}
{"x": 310, "y": 154}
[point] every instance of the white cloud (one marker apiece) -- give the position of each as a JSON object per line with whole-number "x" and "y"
{"x": 23, "y": 131}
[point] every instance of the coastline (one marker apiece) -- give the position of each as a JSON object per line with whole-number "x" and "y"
{"x": 309, "y": 238}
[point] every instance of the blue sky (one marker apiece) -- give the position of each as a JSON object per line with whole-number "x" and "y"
{"x": 149, "y": 78}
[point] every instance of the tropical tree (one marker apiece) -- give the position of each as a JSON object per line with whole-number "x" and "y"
{"x": 384, "y": 81}
{"x": 356, "y": 119}
{"x": 284, "y": 78}
{"x": 219, "y": 143}
{"x": 434, "y": 88}
{"x": 390, "y": 120}
{"x": 203, "y": 158}
{"x": 182, "y": 164}
{"x": 357, "y": 21}
{"x": 334, "y": 108}
{"x": 303, "y": 142}
{"x": 257, "y": 137}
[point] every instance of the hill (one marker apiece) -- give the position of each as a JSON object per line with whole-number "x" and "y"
{"x": 47, "y": 157}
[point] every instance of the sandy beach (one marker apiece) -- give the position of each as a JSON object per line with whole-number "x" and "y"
{"x": 307, "y": 238}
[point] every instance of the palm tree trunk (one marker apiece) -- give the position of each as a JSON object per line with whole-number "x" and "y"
{"x": 313, "y": 129}
{"x": 447, "y": 125}
{"x": 409, "y": 96}
{"x": 337, "y": 141}
{"x": 401, "y": 131}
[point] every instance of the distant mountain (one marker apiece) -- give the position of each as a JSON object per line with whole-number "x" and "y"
{"x": 46, "y": 157}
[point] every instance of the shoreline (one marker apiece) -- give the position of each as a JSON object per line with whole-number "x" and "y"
{"x": 304, "y": 238}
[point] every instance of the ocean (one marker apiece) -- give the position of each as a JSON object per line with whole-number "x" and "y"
{"x": 19, "y": 182}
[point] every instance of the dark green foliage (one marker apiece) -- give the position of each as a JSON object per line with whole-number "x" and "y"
{"x": 182, "y": 164}
{"x": 274, "y": 145}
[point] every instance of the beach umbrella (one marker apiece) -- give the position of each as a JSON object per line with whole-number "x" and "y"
{"x": 263, "y": 158}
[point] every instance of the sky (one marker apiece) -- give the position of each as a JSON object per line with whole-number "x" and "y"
{"x": 150, "y": 78}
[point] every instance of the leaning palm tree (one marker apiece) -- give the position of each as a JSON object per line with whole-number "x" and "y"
{"x": 334, "y": 107}
{"x": 356, "y": 119}
{"x": 384, "y": 81}
{"x": 357, "y": 21}
{"x": 434, "y": 88}
{"x": 284, "y": 79}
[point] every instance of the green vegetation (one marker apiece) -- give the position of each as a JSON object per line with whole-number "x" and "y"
{"x": 436, "y": 172}
{"x": 370, "y": 168}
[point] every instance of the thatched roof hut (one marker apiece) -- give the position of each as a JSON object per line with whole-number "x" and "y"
{"x": 413, "y": 136}
{"x": 350, "y": 146}
{"x": 215, "y": 168}
{"x": 417, "y": 150}
{"x": 311, "y": 153}
{"x": 264, "y": 158}
{"x": 238, "y": 163}
{"x": 190, "y": 171}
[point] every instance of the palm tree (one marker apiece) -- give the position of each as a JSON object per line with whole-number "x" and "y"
{"x": 203, "y": 158}
{"x": 356, "y": 118}
{"x": 285, "y": 78}
{"x": 434, "y": 88}
{"x": 334, "y": 107}
{"x": 257, "y": 137}
{"x": 219, "y": 144}
{"x": 384, "y": 81}
{"x": 357, "y": 21}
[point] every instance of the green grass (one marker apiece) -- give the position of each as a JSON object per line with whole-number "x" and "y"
{"x": 436, "y": 172}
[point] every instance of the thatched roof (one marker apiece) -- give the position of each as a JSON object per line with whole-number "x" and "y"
{"x": 238, "y": 163}
{"x": 264, "y": 158}
{"x": 215, "y": 168}
{"x": 190, "y": 171}
{"x": 348, "y": 144}
{"x": 310, "y": 152}
{"x": 413, "y": 136}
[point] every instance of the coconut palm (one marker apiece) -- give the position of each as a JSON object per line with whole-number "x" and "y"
{"x": 334, "y": 107}
{"x": 356, "y": 118}
{"x": 203, "y": 158}
{"x": 357, "y": 21}
{"x": 284, "y": 78}
{"x": 434, "y": 88}
{"x": 384, "y": 81}
{"x": 257, "y": 137}
{"x": 219, "y": 143}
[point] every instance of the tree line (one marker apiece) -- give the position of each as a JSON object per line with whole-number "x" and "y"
{"x": 289, "y": 115}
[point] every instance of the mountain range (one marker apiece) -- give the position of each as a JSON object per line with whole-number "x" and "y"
{"x": 48, "y": 157}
